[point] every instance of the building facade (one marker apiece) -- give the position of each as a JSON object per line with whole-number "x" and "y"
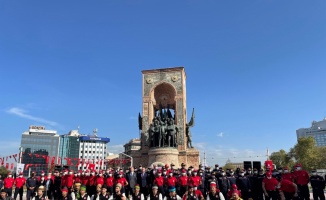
{"x": 44, "y": 150}
{"x": 38, "y": 146}
{"x": 317, "y": 131}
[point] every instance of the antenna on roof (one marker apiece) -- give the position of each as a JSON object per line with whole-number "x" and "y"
{"x": 95, "y": 132}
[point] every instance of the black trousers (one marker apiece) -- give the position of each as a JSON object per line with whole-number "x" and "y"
{"x": 30, "y": 194}
{"x": 318, "y": 194}
{"x": 9, "y": 192}
{"x": 19, "y": 191}
{"x": 272, "y": 194}
{"x": 303, "y": 192}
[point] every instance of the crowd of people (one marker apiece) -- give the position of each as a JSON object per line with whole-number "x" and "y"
{"x": 167, "y": 182}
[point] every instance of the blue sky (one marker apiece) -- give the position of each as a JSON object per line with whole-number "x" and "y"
{"x": 255, "y": 69}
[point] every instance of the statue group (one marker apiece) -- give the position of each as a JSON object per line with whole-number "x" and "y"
{"x": 163, "y": 132}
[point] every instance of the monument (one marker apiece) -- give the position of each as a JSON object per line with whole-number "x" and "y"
{"x": 165, "y": 133}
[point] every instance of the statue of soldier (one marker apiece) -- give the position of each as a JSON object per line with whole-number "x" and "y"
{"x": 171, "y": 133}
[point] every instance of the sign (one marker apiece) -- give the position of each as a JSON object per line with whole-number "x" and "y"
{"x": 37, "y": 127}
{"x": 89, "y": 138}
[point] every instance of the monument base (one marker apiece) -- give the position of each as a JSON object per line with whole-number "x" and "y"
{"x": 162, "y": 156}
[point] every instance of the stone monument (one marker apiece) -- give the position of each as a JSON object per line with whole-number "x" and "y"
{"x": 165, "y": 135}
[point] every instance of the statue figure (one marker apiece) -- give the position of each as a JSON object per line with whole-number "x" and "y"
{"x": 171, "y": 133}
{"x": 190, "y": 124}
{"x": 161, "y": 133}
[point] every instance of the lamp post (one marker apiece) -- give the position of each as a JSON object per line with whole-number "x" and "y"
{"x": 20, "y": 154}
{"x": 129, "y": 157}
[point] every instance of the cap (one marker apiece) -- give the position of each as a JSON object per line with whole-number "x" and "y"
{"x": 83, "y": 187}
{"x": 268, "y": 174}
{"x": 172, "y": 189}
{"x": 216, "y": 165}
{"x": 121, "y": 173}
{"x": 286, "y": 168}
{"x": 234, "y": 186}
{"x": 154, "y": 187}
{"x": 65, "y": 189}
{"x": 20, "y": 173}
{"x": 212, "y": 183}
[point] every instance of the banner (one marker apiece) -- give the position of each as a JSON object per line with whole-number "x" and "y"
{"x": 20, "y": 168}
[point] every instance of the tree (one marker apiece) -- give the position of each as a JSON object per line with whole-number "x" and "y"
{"x": 306, "y": 153}
{"x": 281, "y": 159}
{"x": 3, "y": 171}
{"x": 228, "y": 165}
{"x": 321, "y": 158}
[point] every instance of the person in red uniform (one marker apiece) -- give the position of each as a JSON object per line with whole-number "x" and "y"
{"x": 159, "y": 181}
{"x": 99, "y": 179}
{"x": 19, "y": 186}
{"x": 64, "y": 178}
{"x": 84, "y": 178}
{"x": 195, "y": 180}
{"x": 171, "y": 180}
{"x": 8, "y": 183}
{"x": 109, "y": 181}
{"x": 70, "y": 180}
{"x": 269, "y": 186}
{"x": 123, "y": 181}
{"x": 302, "y": 180}
{"x": 287, "y": 189}
{"x": 287, "y": 175}
{"x": 183, "y": 182}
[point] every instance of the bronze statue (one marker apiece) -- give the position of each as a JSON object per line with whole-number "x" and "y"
{"x": 190, "y": 124}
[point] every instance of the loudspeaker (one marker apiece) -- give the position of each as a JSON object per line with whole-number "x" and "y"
{"x": 247, "y": 165}
{"x": 256, "y": 164}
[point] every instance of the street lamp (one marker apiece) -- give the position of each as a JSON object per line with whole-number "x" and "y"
{"x": 20, "y": 154}
{"x": 127, "y": 156}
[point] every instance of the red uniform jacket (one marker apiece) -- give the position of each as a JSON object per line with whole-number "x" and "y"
{"x": 270, "y": 184}
{"x": 159, "y": 181}
{"x": 183, "y": 180}
{"x": 171, "y": 181}
{"x": 8, "y": 182}
{"x": 287, "y": 186}
{"x": 109, "y": 181}
{"x": 301, "y": 177}
{"x": 20, "y": 182}
{"x": 194, "y": 180}
{"x": 99, "y": 180}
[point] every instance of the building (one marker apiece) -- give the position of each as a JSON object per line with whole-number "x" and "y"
{"x": 132, "y": 145}
{"x": 78, "y": 151}
{"x": 69, "y": 148}
{"x": 38, "y": 146}
{"x": 93, "y": 150}
{"x": 44, "y": 150}
{"x": 317, "y": 131}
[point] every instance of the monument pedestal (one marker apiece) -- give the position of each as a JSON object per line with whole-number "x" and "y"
{"x": 163, "y": 156}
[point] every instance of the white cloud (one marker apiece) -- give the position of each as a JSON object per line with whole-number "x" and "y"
{"x": 221, "y": 134}
{"x": 115, "y": 149}
{"x": 22, "y": 113}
